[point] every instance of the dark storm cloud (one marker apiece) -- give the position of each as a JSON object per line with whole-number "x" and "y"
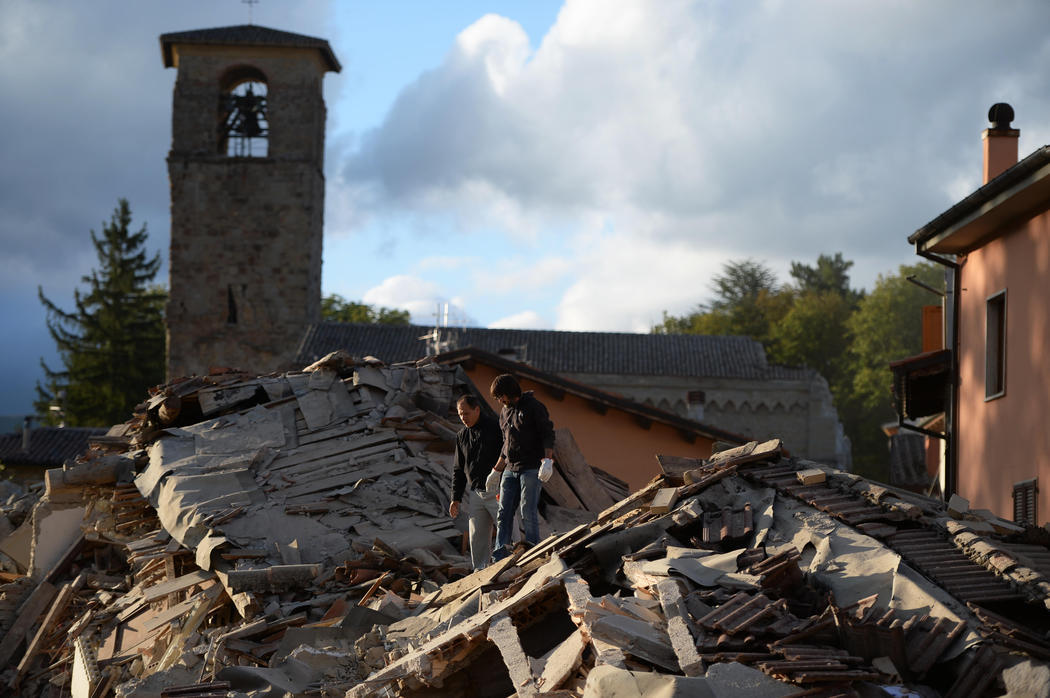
{"x": 85, "y": 119}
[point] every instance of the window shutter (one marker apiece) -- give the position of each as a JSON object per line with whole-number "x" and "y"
{"x": 1025, "y": 501}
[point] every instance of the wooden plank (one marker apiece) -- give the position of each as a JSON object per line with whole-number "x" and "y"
{"x": 159, "y": 591}
{"x": 58, "y": 607}
{"x": 677, "y": 465}
{"x": 634, "y": 501}
{"x": 562, "y": 662}
{"x": 504, "y": 635}
{"x": 32, "y": 608}
{"x": 560, "y": 492}
{"x": 578, "y": 474}
{"x": 813, "y": 476}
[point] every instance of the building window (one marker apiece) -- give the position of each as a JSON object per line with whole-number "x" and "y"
{"x": 1024, "y": 502}
{"x": 995, "y": 346}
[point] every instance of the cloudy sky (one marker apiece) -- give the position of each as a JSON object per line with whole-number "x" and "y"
{"x": 576, "y": 165}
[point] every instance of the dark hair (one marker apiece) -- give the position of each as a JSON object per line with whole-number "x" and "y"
{"x": 471, "y": 401}
{"x": 505, "y": 386}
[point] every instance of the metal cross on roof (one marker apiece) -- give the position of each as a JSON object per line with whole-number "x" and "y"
{"x": 250, "y": 4}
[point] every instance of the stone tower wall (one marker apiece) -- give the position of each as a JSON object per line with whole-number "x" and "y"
{"x": 246, "y": 232}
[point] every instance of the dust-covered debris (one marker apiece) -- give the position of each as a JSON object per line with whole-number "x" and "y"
{"x": 287, "y": 534}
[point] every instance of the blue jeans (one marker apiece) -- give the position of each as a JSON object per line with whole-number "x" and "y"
{"x": 524, "y": 488}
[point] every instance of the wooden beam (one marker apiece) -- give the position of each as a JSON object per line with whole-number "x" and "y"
{"x": 599, "y": 407}
{"x": 555, "y": 392}
{"x": 578, "y": 474}
{"x": 28, "y": 613}
{"x": 57, "y": 609}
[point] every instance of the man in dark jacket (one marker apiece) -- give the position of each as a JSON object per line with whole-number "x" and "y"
{"x": 478, "y": 447}
{"x": 528, "y": 439}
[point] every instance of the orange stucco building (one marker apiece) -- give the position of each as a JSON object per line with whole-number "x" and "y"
{"x": 616, "y": 434}
{"x": 995, "y": 245}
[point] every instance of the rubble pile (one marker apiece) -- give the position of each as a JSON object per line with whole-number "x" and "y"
{"x": 233, "y": 509}
{"x": 287, "y": 535}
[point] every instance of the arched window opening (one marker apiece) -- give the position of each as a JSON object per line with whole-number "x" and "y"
{"x": 244, "y": 129}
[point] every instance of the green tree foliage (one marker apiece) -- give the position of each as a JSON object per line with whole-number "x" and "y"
{"x": 741, "y": 284}
{"x": 335, "y": 308}
{"x": 112, "y": 344}
{"x": 813, "y": 333}
{"x": 819, "y": 321}
{"x": 886, "y": 326}
{"x": 747, "y": 302}
{"x": 830, "y": 275}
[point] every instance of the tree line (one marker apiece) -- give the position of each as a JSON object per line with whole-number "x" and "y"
{"x": 818, "y": 320}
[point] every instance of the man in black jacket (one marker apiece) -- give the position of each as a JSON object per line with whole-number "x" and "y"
{"x": 528, "y": 439}
{"x": 478, "y": 447}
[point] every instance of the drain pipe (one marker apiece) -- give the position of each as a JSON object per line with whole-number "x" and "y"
{"x": 952, "y": 340}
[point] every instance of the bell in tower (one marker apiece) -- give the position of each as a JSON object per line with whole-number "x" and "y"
{"x": 246, "y": 169}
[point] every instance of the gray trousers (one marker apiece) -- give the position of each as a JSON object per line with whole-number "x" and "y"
{"x": 481, "y": 510}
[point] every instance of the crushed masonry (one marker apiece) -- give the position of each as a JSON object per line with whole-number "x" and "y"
{"x": 287, "y": 535}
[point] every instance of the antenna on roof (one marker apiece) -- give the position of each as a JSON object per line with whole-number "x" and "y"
{"x": 250, "y": 4}
{"x": 440, "y": 339}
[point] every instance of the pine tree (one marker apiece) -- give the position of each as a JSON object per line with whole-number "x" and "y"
{"x": 112, "y": 345}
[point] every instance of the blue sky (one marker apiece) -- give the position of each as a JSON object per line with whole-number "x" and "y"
{"x": 579, "y": 165}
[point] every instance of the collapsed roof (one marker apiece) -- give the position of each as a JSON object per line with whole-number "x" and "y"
{"x": 288, "y": 533}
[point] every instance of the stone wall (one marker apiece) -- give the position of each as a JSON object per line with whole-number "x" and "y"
{"x": 246, "y": 232}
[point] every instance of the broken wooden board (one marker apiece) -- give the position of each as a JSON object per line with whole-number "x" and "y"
{"x": 677, "y": 465}
{"x": 578, "y": 474}
{"x": 161, "y": 590}
{"x": 813, "y": 476}
{"x": 562, "y": 662}
{"x": 28, "y": 613}
{"x": 750, "y": 452}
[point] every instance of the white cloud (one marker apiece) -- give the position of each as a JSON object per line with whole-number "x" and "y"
{"x": 447, "y": 263}
{"x": 424, "y": 300}
{"x": 770, "y": 130}
{"x": 525, "y": 320}
{"x": 628, "y": 282}
{"x": 517, "y": 275}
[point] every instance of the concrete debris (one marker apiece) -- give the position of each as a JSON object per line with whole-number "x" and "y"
{"x": 287, "y": 535}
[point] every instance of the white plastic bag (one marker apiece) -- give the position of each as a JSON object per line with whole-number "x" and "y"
{"x": 493, "y": 480}
{"x": 546, "y": 469}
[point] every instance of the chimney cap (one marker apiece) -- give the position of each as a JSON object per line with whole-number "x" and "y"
{"x": 1001, "y": 114}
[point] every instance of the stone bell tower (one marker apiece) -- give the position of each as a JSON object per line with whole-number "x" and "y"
{"x": 246, "y": 169}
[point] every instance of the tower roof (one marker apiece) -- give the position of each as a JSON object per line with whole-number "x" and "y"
{"x": 246, "y": 35}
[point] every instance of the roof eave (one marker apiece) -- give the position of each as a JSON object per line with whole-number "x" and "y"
{"x": 592, "y": 394}
{"x": 986, "y": 213}
{"x": 168, "y": 55}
